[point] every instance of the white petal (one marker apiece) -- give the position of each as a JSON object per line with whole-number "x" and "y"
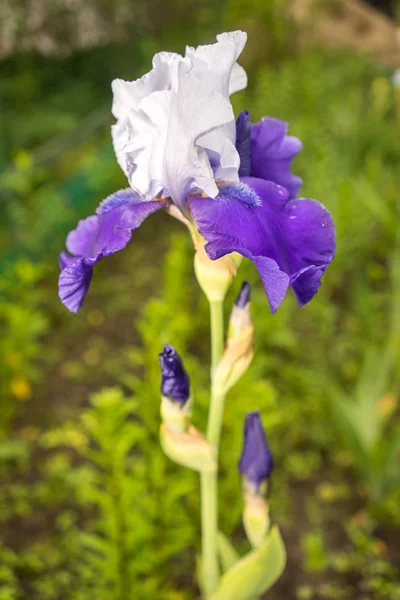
{"x": 195, "y": 111}
{"x": 238, "y": 79}
{"x": 222, "y": 154}
{"x": 175, "y": 130}
{"x": 120, "y": 138}
{"x": 148, "y": 131}
{"x": 214, "y": 63}
{"x": 128, "y": 94}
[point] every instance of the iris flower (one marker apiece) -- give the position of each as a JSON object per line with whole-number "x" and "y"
{"x": 178, "y": 143}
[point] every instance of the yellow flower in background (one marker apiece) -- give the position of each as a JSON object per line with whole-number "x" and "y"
{"x": 20, "y": 387}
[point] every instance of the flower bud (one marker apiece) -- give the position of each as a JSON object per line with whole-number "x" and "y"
{"x": 188, "y": 448}
{"x": 214, "y": 276}
{"x": 255, "y": 464}
{"x": 176, "y": 399}
{"x": 239, "y": 349}
{"x": 255, "y": 519}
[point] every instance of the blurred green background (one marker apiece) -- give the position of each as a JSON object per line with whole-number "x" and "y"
{"x": 89, "y": 506}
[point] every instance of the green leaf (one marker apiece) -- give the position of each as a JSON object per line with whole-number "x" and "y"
{"x": 256, "y": 572}
{"x": 226, "y": 551}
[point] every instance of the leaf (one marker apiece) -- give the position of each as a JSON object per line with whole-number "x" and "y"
{"x": 256, "y": 572}
{"x": 226, "y": 551}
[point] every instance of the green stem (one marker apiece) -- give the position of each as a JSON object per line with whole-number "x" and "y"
{"x": 209, "y": 481}
{"x": 209, "y": 528}
{"x": 217, "y": 333}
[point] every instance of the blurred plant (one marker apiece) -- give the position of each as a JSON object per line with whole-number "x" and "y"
{"x": 119, "y": 536}
{"x": 22, "y": 324}
{"x": 129, "y": 488}
{"x": 365, "y": 417}
{"x": 365, "y": 421}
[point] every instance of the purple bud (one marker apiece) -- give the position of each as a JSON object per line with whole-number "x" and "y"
{"x": 175, "y": 383}
{"x": 243, "y": 143}
{"x": 256, "y": 462}
{"x": 244, "y": 295}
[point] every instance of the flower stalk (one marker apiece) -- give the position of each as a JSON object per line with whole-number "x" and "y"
{"x": 209, "y": 481}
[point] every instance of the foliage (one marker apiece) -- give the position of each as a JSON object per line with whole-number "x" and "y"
{"x": 22, "y": 325}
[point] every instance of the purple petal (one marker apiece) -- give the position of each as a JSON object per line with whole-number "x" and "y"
{"x": 74, "y": 282}
{"x": 65, "y": 259}
{"x": 305, "y": 283}
{"x": 272, "y": 152}
{"x": 81, "y": 241}
{"x": 290, "y": 242}
{"x": 111, "y": 229}
{"x": 243, "y": 297}
{"x": 96, "y": 236}
{"x": 243, "y": 143}
{"x": 175, "y": 383}
{"x": 118, "y": 198}
{"x": 311, "y": 238}
{"x": 275, "y": 281}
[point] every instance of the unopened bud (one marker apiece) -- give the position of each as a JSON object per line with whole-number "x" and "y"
{"x": 214, "y": 276}
{"x": 176, "y": 399}
{"x": 255, "y": 464}
{"x": 239, "y": 349}
{"x": 188, "y": 448}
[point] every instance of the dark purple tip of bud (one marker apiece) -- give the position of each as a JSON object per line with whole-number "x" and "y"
{"x": 243, "y": 143}
{"x": 244, "y": 295}
{"x": 175, "y": 383}
{"x": 256, "y": 462}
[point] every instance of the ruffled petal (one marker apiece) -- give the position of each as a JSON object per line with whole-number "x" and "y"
{"x": 175, "y": 132}
{"x": 275, "y": 281}
{"x": 99, "y": 235}
{"x": 311, "y": 235}
{"x": 172, "y": 131}
{"x": 111, "y": 228}
{"x": 195, "y": 111}
{"x": 238, "y": 79}
{"x": 272, "y": 152}
{"x": 306, "y": 282}
{"x": 213, "y": 64}
{"x": 64, "y": 260}
{"x": 127, "y": 95}
{"x": 290, "y": 242}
